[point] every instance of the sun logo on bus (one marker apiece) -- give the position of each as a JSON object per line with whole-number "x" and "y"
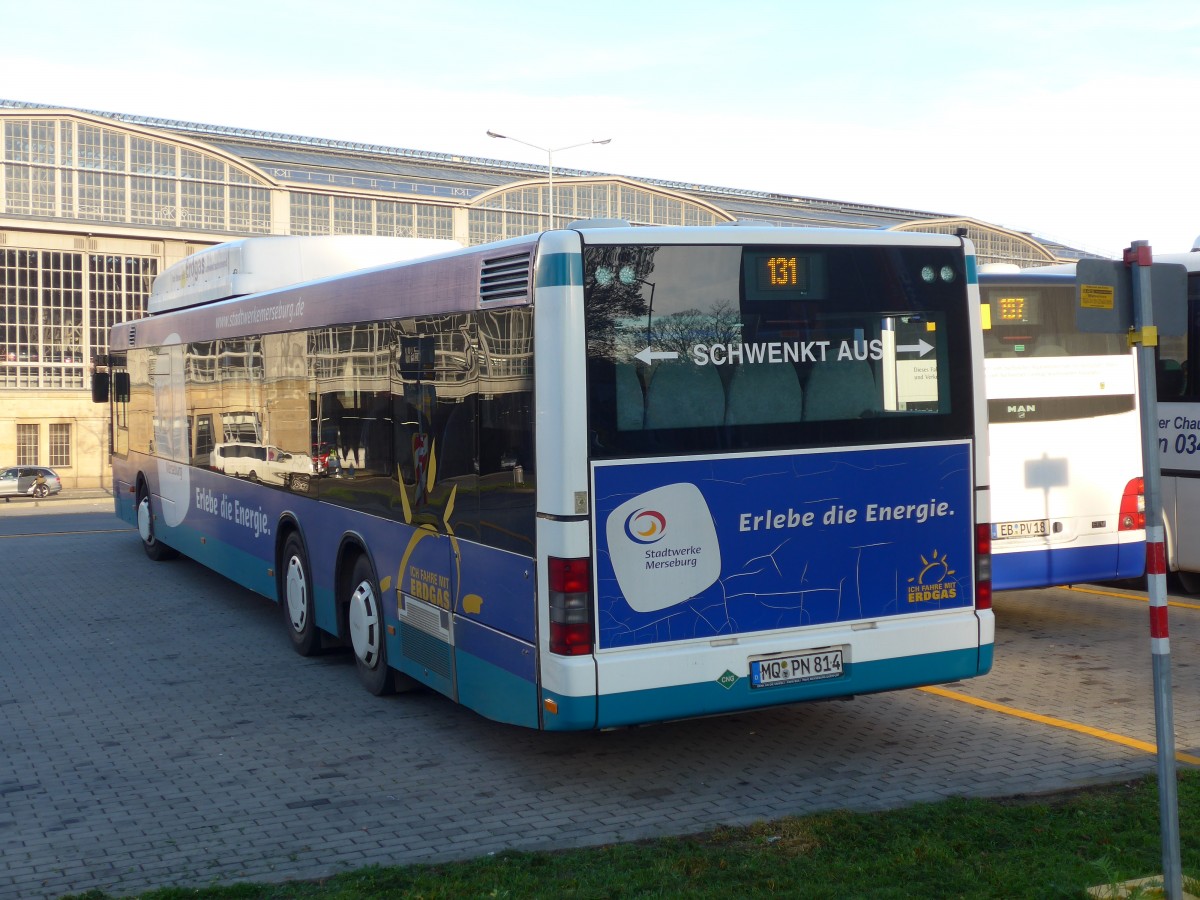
{"x": 933, "y": 582}
{"x": 931, "y": 566}
{"x": 645, "y": 526}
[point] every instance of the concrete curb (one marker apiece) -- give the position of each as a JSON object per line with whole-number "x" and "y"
{"x": 66, "y": 501}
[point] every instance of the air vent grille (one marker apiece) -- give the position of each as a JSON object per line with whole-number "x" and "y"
{"x": 132, "y": 335}
{"x": 425, "y": 650}
{"x": 505, "y": 278}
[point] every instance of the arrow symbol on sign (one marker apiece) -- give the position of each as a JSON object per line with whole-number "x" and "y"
{"x": 648, "y": 356}
{"x": 920, "y": 348}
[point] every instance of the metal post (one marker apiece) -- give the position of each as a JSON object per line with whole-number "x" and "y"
{"x": 549, "y": 151}
{"x": 1140, "y": 259}
{"x": 550, "y": 180}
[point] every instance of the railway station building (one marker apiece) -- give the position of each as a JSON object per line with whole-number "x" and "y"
{"x": 93, "y": 205}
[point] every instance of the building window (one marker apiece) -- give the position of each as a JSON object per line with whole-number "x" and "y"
{"x": 249, "y": 205}
{"x": 27, "y": 445}
{"x": 152, "y": 201}
{"x": 352, "y": 215}
{"x": 16, "y": 141}
{"x": 42, "y": 319}
{"x": 56, "y": 167}
{"x": 17, "y": 189}
{"x": 310, "y": 214}
{"x": 434, "y": 221}
{"x": 191, "y": 212}
{"x": 60, "y": 445}
{"x": 119, "y": 287}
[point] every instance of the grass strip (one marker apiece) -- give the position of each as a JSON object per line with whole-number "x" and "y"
{"x": 1023, "y": 847}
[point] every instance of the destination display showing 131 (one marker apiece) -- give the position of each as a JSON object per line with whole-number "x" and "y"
{"x": 781, "y": 276}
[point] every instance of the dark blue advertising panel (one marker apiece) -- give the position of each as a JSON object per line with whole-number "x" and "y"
{"x": 699, "y": 548}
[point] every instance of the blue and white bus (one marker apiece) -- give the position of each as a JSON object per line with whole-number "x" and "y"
{"x": 1064, "y": 435}
{"x": 582, "y": 479}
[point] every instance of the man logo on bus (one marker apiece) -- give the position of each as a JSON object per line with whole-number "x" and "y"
{"x": 933, "y": 582}
{"x": 645, "y": 526}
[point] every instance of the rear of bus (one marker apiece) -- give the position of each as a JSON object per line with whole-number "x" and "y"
{"x": 761, "y": 464}
{"x": 1064, "y": 436}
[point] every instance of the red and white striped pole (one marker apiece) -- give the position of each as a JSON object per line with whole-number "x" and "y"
{"x": 1156, "y": 584}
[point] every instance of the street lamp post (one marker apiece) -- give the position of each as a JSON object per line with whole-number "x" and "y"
{"x": 549, "y": 151}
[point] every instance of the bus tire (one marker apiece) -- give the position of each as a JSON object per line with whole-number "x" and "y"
{"x": 366, "y": 626}
{"x": 1188, "y": 581}
{"x": 154, "y": 548}
{"x": 296, "y": 598}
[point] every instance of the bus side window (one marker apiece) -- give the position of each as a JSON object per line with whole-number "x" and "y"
{"x": 1170, "y": 379}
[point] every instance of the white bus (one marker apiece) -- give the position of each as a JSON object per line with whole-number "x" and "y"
{"x": 1178, "y": 380}
{"x": 587, "y": 478}
{"x": 1064, "y": 437}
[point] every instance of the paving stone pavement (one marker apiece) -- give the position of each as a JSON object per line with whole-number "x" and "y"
{"x": 157, "y": 729}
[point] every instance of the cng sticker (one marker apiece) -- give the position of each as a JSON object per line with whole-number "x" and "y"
{"x": 727, "y": 680}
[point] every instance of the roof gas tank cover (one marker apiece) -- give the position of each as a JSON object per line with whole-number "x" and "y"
{"x": 251, "y": 265}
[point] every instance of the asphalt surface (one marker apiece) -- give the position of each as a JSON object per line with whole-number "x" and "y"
{"x": 157, "y": 729}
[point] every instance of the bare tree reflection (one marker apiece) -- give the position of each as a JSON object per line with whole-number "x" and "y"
{"x": 618, "y": 298}
{"x": 682, "y": 330}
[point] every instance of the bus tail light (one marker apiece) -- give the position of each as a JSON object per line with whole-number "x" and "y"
{"x": 1133, "y": 507}
{"x": 983, "y": 566}
{"x": 570, "y": 606}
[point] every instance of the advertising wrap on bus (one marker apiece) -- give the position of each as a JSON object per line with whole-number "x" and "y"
{"x": 707, "y": 547}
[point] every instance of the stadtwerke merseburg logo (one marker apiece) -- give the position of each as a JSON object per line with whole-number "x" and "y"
{"x": 645, "y": 526}
{"x": 663, "y": 546}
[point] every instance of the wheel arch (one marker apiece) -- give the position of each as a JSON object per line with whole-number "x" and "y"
{"x": 155, "y": 548}
{"x": 351, "y": 546}
{"x": 1186, "y": 581}
{"x": 286, "y": 526}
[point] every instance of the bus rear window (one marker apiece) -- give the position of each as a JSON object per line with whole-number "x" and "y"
{"x": 699, "y": 349}
{"x": 1038, "y": 320}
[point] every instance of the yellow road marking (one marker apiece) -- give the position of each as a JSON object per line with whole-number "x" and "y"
{"x": 29, "y": 534}
{"x": 1123, "y": 596}
{"x": 1057, "y": 723}
{"x": 1063, "y": 723}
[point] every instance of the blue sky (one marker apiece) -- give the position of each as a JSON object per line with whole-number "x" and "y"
{"x": 1072, "y": 120}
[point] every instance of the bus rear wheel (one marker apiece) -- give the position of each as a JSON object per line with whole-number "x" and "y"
{"x": 296, "y": 598}
{"x": 156, "y": 550}
{"x": 366, "y": 626}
